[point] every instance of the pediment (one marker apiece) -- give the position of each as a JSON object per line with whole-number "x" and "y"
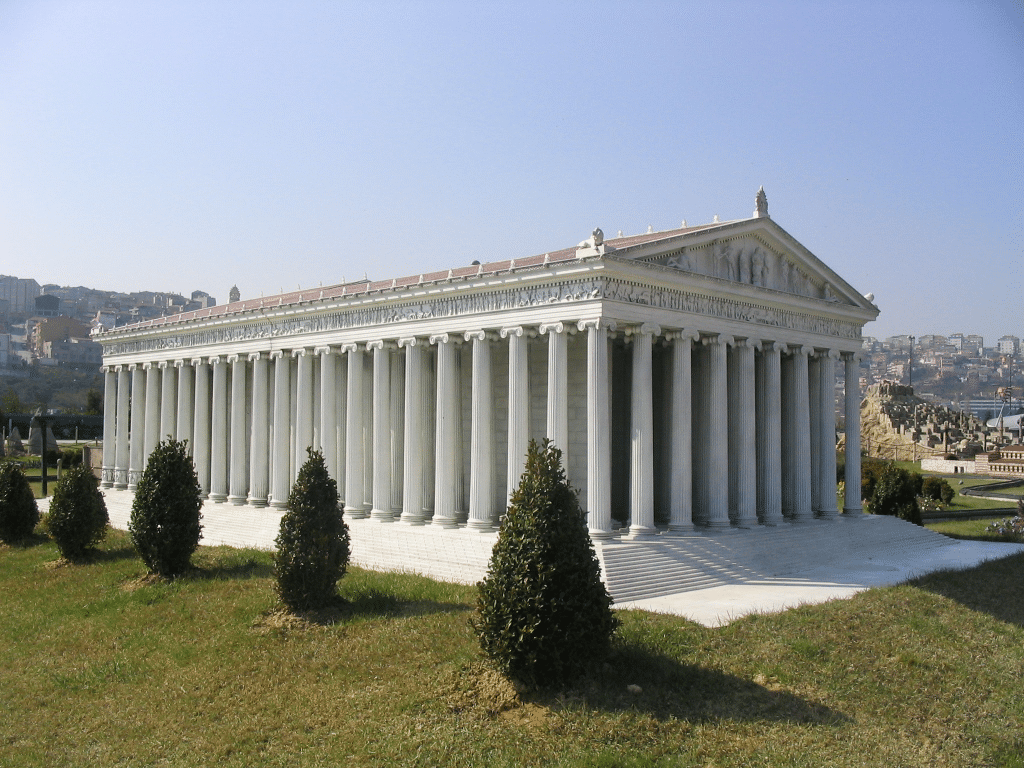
{"x": 754, "y": 252}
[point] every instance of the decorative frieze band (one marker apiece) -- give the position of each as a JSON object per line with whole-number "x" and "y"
{"x": 599, "y": 289}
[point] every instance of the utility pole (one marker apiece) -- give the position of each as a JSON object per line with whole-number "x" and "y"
{"x": 910, "y": 370}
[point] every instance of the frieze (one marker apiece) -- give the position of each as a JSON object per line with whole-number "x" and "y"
{"x": 497, "y": 301}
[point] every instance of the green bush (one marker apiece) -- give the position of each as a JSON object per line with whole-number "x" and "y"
{"x": 77, "y": 519}
{"x": 947, "y": 493}
{"x": 164, "y": 524}
{"x": 313, "y": 543}
{"x": 18, "y": 511}
{"x": 543, "y": 615}
{"x": 937, "y": 489}
{"x": 895, "y": 493}
{"x": 870, "y": 471}
{"x": 70, "y": 457}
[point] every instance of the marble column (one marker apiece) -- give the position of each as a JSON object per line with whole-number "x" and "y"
{"x": 412, "y": 468}
{"x": 599, "y": 463}
{"x": 122, "y": 428}
{"x": 186, "y": 404}
{"x": 137, "y": 452}
{"x": 851, "y": 500}
{"x": 238, "y": 480}
{"x": 518, "y": 404}
{"x": 201, "y": 424}
{"x": 168, "y": 400}
{"x": 329, "y": 409}
{"x": 446, "y": 470}
{"x": 801, "y": 433}
{"x": 716, "y": 401}
{"x": 303, "y": 405}
{"x": 769, "y": 433}
{"x": 354, "y": 492}
{"x": 558, "y": 388}
{"x": 109, "y": 416}
{"x": 641, "y": 471}
{"x": 827, "y": 435}
{"x": 152, "y": 408}
{"x": 219, "y": 431}
{"x": 397, "y": 406}
{"x": 381, "y": 510}
{"x": 681, "y": 481}
{"x": 814, "y": 405}
{"x": 742, "y": 434}
{"x": 259, "y": 443}
{"x": 280, "y": 480}
{"x": 481, "y": 463}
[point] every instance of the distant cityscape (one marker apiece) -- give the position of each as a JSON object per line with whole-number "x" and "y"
{"x": 51, "y": 325}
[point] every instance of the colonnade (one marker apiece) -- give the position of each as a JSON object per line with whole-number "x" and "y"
{"x": 433, "y": 429}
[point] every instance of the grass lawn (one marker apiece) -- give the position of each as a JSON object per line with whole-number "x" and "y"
{"x": 104, "y": 667}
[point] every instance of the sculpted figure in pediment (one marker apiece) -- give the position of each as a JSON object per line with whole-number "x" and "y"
{"x": 744, "y": 266}
{"x": 758, "y": 269}
{"x": 681, "y": 261}
{"x": 726, "y": 262}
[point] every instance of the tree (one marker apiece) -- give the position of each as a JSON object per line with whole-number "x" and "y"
{"x": 94, "y": 403}
{"x": 895, "y": 495}
{"x": 543, "y": 615}
{"x": 77, "y": 519}
{"x": 18, "y": 511}
{"x": 313, "y": 543}
{"x": 165, "y": 521}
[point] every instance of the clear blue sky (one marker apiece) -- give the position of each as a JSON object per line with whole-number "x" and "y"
{"x": 194, "y": 145}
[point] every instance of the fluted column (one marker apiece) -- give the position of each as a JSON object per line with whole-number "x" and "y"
{"x": 769, "y": 433}
{"x": 558, "y": 388}
{"x": 303, "y": 404}
{"x": 481, "y": 463}
{"x": 201, "y": 424}
{"x": 412, "y": 468}
{"x": 599, "y": 463}
{"x": 446, "y": 472}
{"x": 641, "y": 474}
{"x": 280, "y": 485}
{"x": 354, "y": 506}
{"x": 800, "y": 414}
{"x": 742, "y": 435}
{"x": 397, "y": 441}
{"x": 109, "y": 416}
{"x": 168, "y": 400}
{"x": 827, "y": 435}
{"x": 381, "y": 431}
{"x": 716, "y": 400}
{"x": 152, "y": 407}
{"x": 681, "y": 481}
{"x": 851, "y": 500}
{"x": 137, "y": 451}
{"x": 239, "y": 465}
{"x": 518, "y": 404}
{"x": 814, "y": 405}
{"x": 219, "y": 431}
{"x": 122, "y": 428}
{"x": 186, "y": 404}
{"x": 259, "y": 442}
{"x": 329, "y": 409}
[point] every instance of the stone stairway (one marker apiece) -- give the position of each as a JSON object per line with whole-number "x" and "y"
{"x": 671, "y": 563}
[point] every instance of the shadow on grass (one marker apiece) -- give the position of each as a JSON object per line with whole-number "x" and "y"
{"x": 248, "y": 568}
{"x": 669, "y": 689}
{"x": 372, "y": 603}
{"x": 992, "y": 587}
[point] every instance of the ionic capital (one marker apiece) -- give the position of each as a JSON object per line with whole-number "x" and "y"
{"x": 597, "y": 324}
{"x": 410, "y": 341}
{"x": 254, "y": 356}
{"x": 558, "y": 327}
{"x": 323, "y": 350}
{"x": 351, "y": 347}
{"x": 513, "y": 330}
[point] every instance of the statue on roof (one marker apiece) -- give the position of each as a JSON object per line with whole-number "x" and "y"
{"x": 761, "y": 201}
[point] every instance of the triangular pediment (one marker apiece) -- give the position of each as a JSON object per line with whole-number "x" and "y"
{"x": 755, "y": 252}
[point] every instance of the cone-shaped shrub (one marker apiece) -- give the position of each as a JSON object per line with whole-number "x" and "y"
{"x": 77, "y": 519}
{"x": 543, "y": 614}
{"x": 166, "y": 512}
{"x": 313, "y": 543}
{"x": 895, "y": 494}
{"x": 18, "y": 511}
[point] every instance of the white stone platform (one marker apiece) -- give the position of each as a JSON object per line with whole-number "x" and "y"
{"x": 709, "y": 577}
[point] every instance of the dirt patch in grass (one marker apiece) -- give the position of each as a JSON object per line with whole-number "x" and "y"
{"x": 283, "y": 620}
{"x": 479, "y": 689}
{"x": 148, "y": 580}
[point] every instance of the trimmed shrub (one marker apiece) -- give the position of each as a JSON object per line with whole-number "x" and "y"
{"x": 895, "y": 494}
{"x": 313, "y": 543}
{"x": 543, "y": 615}
{"x": 164, "y": 525}
{"x": 947, "y": 492}
{"x": 77, "y": 519}
{"x": 870, "y": 471}
{"x": 18, "y": 511}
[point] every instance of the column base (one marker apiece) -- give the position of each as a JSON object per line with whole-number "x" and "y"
{"x": 359, "y": 513}
{"x": 640, "y": 532}
{"x": 260, "y": 503}
{"x": 279, "y": 503}
{"x": 680, "y": 528}
{"x": 601, "y": 535}
{"x": 236, "y": 501}
{"x": 826, "y": 514}
{"x": 445, "y": 522}
{"x": 412, "y": 520}
{"x": 484, "y": 526}
{"x": 382, "y": 516}
{"x": 854, "y": 513}
{"x": 218, "y": 498}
